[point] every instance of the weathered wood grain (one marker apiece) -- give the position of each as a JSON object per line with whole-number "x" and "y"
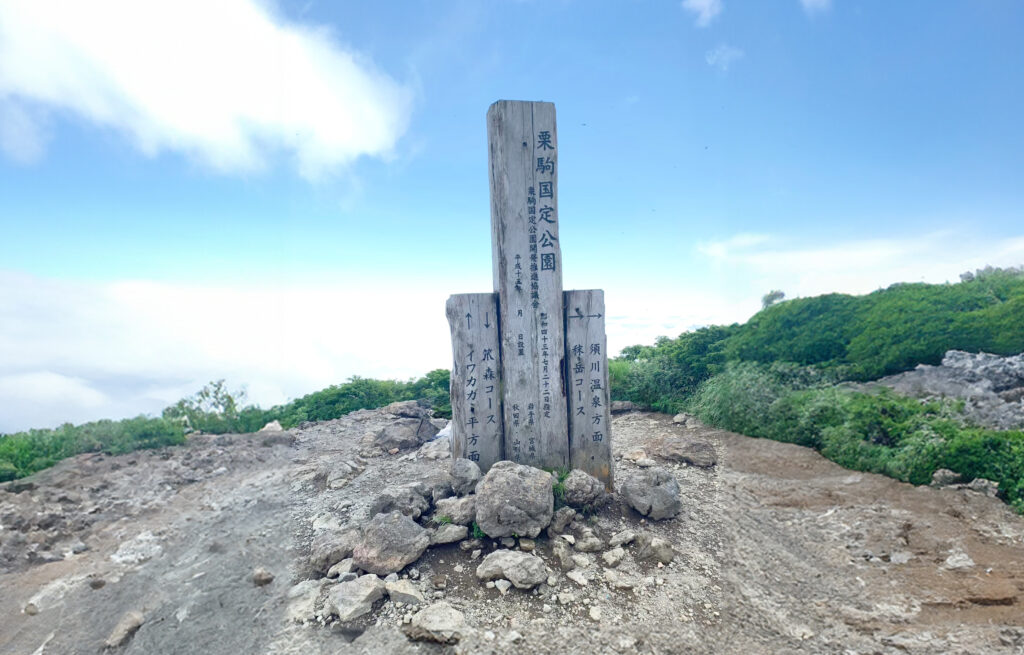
{"x": 586, "y": 357}
{"x": 476, "y": 378}
{"x": 523, "y": 145}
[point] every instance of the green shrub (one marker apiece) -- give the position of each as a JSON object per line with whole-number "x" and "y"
{"x": 880, "y": 432}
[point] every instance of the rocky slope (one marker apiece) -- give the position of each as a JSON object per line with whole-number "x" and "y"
{"x": 220, "y": 546}
{"x": 992, "y": 387}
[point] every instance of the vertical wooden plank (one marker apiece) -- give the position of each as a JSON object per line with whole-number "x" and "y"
{"x": 523, "y": 146}
{"x": 476, "y": 378}
{"x": 590, "y": 429}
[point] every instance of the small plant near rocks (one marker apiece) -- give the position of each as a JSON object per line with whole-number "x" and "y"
{"x": 477, "y": 532}
{"x": 558, "y": 487}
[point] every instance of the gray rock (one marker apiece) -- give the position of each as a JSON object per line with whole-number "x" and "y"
{"x": 620, "y": 406}
{"x": 582, "y": 490}
{"x": 562, "y": 551}
{"x": 448, "y": 534}
{"x": 411, "y": 500}
{"x": 987, "y": 487}
{"x": 694, "y": 452}
{"x": 389, "y": 543}
{"x": 355, "y": 598}
{"x": 613, "y": 557}
{"x": 465, "y": 475}
{"x": 440, "y": 622}
{"x": 654, "y": 493}
{"x": 461, "y": 511}
{"x": 651, "y": 548}
{"x": 502, "y": 586}
{"x": 342, "y": 567}
{"x": 944, "y": 478}
{"x": 514, "y": 500}
{"x": 405, "y": 433}
{"x": 681, "y": 419}
{"x": 588, "y": 542}
{"x": 404, "y": 591}
{"x": 125, "y": 628}
{"x": 561, "y": 520}
{"x": 622, "y": 538}
{"x": 272, "y": 426}
{"x": 524, "y": 570}
{"x": 407, "y": 409}
{"x": 303, "y": 599}
{"x": 329, "y": 548}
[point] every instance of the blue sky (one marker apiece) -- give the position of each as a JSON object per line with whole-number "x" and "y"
{"x": 284, "y": 194}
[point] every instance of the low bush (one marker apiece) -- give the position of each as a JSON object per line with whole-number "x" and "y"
{"x": 878, "y": 432}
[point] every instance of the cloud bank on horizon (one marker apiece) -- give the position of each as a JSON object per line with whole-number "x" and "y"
{"x": 73, "y": 351}
{"x": 227, "y": 84}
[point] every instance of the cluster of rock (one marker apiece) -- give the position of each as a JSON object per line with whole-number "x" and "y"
{"x": 991, "y": 386}
{"x": 504, "y": 522}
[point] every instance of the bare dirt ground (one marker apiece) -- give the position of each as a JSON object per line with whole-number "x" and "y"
{"x": 777, "y": 551}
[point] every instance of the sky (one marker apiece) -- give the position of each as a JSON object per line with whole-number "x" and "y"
{"x": 283, "y": 194}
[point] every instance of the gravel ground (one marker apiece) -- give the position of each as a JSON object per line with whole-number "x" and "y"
{"x": 777, "y": 551}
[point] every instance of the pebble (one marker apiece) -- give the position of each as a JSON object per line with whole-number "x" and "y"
{"x": 527, "y": 545}
{"x": 261, "y": 577}
{"x": 595, "y": 613}
{"x": 577, "y": 577}
{"x": 566, "y": 598}
{"x": 613, "y": 557}
{"x": 475, "y": 554}
{"x": 459, "y": 568}
{"x": 503, "y": 586}
{"x": 546, "y": 608}
{"x": 490, "y": 584}
{"x": 568, "y": 537}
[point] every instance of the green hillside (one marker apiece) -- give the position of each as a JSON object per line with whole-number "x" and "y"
{"x": 776, "y": 377}
{"x": 841, "y": 336}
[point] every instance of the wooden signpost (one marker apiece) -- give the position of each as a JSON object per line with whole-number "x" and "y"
{"x": 549, "y": 414}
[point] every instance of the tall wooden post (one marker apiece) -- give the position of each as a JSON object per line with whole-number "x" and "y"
{"x": 523, "y": 146}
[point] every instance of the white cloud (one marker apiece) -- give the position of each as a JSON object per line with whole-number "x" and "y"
{"x": 117, "y": 349}
{"x": 723, "y": 56}
{"x": 705, "y": 10}
{"x": 859, "y": 266}
{"x": 812, "y": 6}
{"x": 22, "y": 137}
{"x": 228, "y": 83}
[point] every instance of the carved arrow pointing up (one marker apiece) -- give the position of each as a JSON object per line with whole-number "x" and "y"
{"x": 469, "y": 321}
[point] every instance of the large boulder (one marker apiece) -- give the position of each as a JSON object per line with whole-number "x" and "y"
{"x": 355, "y": 598}
{"x": 523, "y": 570}
{"x": 389, "y": 543}
{"x": 465, "y": 475}
{"x": 653, "y": 492}
{"x": 621, "y": 406}
{"x": 583, "y": 489}
{"x": 410, "y": 500}
{"x": 407, "y": 409}
{"x": 405, "y": 433}
{"x": 514, "y": 500}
